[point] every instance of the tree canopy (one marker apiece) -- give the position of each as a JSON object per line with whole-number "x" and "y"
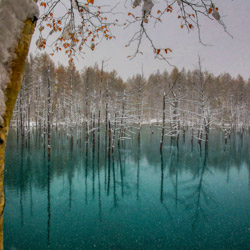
{"x": 73, "y": 26}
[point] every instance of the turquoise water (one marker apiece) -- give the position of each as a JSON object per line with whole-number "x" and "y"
{"x": 186, "y": 198}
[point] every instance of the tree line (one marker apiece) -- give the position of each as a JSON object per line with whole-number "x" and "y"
{"x": 62, "y": 97}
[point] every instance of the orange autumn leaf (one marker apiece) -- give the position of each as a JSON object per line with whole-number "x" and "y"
{"x": 91, "y": 1}
{"x": 43, "y": 4}
{"x": 210, "y": 10}
{"x": 158, "y": 51}
{"x": 168, "y": 49}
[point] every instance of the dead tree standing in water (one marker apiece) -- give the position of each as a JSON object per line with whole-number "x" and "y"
{"x": 86, "y": 111}
{"x": 49, "y": 110}
{"x": 163, "y": 120}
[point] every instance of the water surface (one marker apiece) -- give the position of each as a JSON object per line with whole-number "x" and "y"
{"x": 186, "y": 198}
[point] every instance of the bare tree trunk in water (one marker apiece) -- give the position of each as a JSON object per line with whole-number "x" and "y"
{"x": 49, "y": 110}
{"x": 11, "y": 92}
{"x": 163, "y": 121}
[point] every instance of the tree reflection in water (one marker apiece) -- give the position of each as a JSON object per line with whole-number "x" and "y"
{"x": 181, "y": 185}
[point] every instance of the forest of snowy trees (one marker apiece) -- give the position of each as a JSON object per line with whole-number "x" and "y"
{"x": 66, "y": 99}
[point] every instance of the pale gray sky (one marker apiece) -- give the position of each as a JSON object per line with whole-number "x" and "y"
{"x": 225, "y": 54}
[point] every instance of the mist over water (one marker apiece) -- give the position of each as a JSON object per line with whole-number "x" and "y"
{"x": 185, "y": 198}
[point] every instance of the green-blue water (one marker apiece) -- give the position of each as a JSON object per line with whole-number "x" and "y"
{"x": 137, "y": 199}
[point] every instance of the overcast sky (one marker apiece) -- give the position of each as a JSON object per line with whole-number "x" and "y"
{"x": 225, "y": 54}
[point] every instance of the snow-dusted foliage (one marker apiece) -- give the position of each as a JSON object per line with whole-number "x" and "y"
{"x": 216, "y": 15}
{"x": 215, "y": 12}
{"x": 136, "y": 3}
{"x": 40, "y": 43}
{"x": 74, "y": 4}
{"x": 68, "y": 31}
{"x": 13, "y": 13}
{"x": 179, "y": 2}
{"x": 147, "y": 7}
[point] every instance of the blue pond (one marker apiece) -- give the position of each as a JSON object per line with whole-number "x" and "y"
{"x": 185, "y": 198}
